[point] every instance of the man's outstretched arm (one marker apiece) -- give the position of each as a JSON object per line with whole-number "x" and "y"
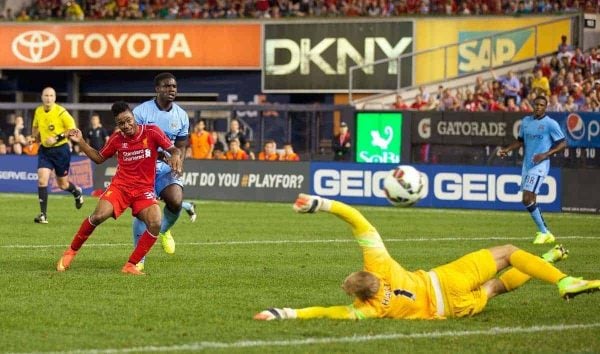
{"x": 333, "y": 312}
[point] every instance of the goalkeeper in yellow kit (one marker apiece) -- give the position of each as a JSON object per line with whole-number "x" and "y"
{"x": 384, "y": 289}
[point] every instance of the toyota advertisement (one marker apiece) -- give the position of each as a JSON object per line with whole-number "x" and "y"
{"x": 129, "y": 45}
{"x": 465, "y": 187}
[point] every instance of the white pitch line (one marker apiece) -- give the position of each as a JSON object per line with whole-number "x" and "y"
{"x": 197, "y": 346}
{"x": 276, "y": 242}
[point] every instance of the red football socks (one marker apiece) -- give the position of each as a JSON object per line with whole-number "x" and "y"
{"x": 144, "y": 245}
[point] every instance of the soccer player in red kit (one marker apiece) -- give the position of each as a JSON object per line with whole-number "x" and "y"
{"x": 136, "y": 147}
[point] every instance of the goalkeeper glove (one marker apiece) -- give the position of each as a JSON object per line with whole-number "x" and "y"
{"x": 276, "y": 314}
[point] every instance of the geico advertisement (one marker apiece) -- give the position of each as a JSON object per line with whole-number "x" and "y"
{"x": 465, "y": 187}
{"x": 317, "y": 56}
{"x": 130, "y": 45}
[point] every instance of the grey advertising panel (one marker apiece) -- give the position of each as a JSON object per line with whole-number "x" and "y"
{"x": 580, "y": 190}
{"x": 464, "y": 128}
{"x": 305, "y": 57}
{"x": 234, "y": 180}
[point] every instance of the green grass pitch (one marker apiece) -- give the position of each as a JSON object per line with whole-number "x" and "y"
{"x": 240, "y": 258}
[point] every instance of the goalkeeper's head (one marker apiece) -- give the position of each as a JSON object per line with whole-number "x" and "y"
{"x": 363, "y": 285}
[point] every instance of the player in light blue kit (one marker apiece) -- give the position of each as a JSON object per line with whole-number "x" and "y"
{"x": 174, "y": 122}
{"x": 541, "y": 137}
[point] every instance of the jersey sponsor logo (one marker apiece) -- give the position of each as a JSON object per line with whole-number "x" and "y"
{"x": 35, "y": 46}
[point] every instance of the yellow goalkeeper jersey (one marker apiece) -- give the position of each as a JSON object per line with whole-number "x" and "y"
{"x": 402, "y": 294}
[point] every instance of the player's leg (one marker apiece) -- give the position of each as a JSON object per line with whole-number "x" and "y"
{"x": 537, "y": 267}
{"x": 514, "y": 278}
{"x": 172, "y": 195}
{"x": 190, "y": 209}
{"x": 61, "y": 157}
{"x": 531, "y": 186}
{"x": 43, "y": 178}
{"x": 103, "y": 211}
{"x": 149, "y": 212}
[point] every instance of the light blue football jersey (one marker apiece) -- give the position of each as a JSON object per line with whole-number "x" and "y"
{"x": 175, "y": 123}
{"x": 538, "y": 136}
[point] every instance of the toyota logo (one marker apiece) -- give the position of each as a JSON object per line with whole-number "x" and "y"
{"x": 35, "y": 46}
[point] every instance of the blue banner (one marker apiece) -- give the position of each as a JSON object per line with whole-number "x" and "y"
{"x": 465, "y": 187}
{"x": 18, "y": 174}
{"x": 582, "y": 129}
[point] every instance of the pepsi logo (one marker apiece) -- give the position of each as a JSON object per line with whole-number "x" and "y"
{"x": 35, "y": 46}
{"x": 575, "y": 126}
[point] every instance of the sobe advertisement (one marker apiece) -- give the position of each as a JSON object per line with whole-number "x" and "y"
{"x": 465, "y": 187}
{"x": 378, "y": 137}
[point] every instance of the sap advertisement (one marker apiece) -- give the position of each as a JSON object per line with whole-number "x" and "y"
{"x": 465, "y": 187}
{"x": 19, "y": 174}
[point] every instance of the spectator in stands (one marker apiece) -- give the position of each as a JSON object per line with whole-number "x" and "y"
{"x": 288, "y": 153}
{"x": 3, "y": 150}
{"x": 525, "y": 105}
{"x": 418, "y": 104}
{"x": 32, "y": 147}
{"x": 510, "y": 85}
{"x": 269, "y": 152}
{"x": 235, "y": 133}
{"x": 554, "y": 105}
{"x": 543, "y": 66}
{"x": 73, "y": 11}
{"x": 96, "y": 135}
{"x": 511, "y": 106}
{"x": 201, "y": 142}
{"x": 218, "y": 144}
{"x": 218, "y": 153}
{"x": 578, "y": 63}
{"x": 399, "y": 104}
{"x": 540, "y": 84}
{"x": 17, "y": 140}
{"x": 235, "y": 152}
{"x": 564, "y": 49}
{"x": 570, "y": 105}
{"x": 342, "y": 144}
{"x": 448, "y": 102}
{"x": 23, "y": 16}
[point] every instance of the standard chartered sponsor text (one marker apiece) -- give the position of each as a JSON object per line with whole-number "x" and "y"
{"x": 18, "y": 175}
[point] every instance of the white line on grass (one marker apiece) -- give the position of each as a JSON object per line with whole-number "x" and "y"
{"x": 197, "y": 346}
{"x": 274, "y": 242}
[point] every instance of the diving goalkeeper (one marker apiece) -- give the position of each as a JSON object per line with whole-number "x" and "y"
{"x": 384, "y": 289}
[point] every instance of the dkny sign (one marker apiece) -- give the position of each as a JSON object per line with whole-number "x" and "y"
{"x": 316, "y": 57}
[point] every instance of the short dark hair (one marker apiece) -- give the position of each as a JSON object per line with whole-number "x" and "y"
{"x": 162, "y": 76}
{"x": 541, "y": 98}
{"x": 119, "y": 107}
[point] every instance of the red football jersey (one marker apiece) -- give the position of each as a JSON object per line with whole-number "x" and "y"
{"x": 136, "y": 168}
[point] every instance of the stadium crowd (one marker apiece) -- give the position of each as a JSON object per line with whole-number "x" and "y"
{"x": 570, "y": 79}
{"x": 207, "y": 9}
